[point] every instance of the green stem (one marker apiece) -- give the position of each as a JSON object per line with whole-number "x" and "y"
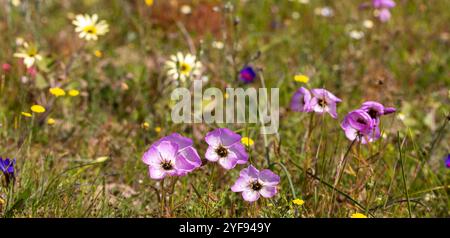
{"x": 403, "y": 174}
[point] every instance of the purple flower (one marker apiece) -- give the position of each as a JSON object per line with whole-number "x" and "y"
{"x": 376, "y": 110}
{"x": 7, "y": 167}
{"x": 225, "y": 147}
{"x": 247, "y": 74}
{"x": 172, "y": 155}
{"x": 324, "y": 101}
{"x": 384, "y": 15}
{"x": 447, "y": 161}
{"x": 253, "y": 183}
{"x": 360, "y": 126}
{"x": 383, "y": 6}
{"x": 300, "y": 102}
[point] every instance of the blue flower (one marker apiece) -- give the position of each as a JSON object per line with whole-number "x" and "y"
{"x": 247, "y": 74}
{"x": 7, "y": 167}
{"x": 447, "y": 161}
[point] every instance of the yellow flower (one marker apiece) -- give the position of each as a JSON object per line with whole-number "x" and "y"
{"x": 74, "y": 92}
{"x": 247, "y": 141}
{"x": 298, "y": 202}
{"x": 301, "y": 78}
{"x": 51, "y": 121}
{"x": 37, "y": 108}
{"x": 98, "y": 53}
{"x": 158, "y": 129}
{"x": 29, "y": 53}
{"x": 89, "y": 28}
{"x": 358, "y": 215}
{"x": 145, "y": 125}
{"x": 149, "y": 2}
{"x": 26, "y": 114}
{"x": 57, "y": 92}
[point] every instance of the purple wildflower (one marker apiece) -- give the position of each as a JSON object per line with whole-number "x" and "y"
{"x": 300, "y": 102}
{"x": 383, "y": 3}
{"x": 247, "y": 74}
{"x": 324, "y": 101}
{"x": 253, "y": 184}
{"x": 225, "y": 147}
{"x": 358, "y": 125}
{"x": 172, "y": 155}
{"x": 447, "y": 161}
{"x": 7, "y": 168}
{"x": 383, "y": 6}
{"x": 376, "y": 110}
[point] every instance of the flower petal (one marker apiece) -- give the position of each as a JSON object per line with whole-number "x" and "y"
{"x": 240, "y": 185}
{"x": 250, "y": 195}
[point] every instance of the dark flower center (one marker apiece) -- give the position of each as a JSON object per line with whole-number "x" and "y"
{"x": 322, "y": 102}
{"x": 255, "y": 186}
{"x": 166, "y": 165}
{"x": 373, "y": 113}
{"x": 222, "y": 151}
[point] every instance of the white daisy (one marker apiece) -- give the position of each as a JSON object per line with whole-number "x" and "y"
{"x": 29, "y": 53}
{"x": 89, "y": 28}
{"x": 183, "y": 67}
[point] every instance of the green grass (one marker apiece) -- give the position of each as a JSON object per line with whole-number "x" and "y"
{"x": 402, "y": 63}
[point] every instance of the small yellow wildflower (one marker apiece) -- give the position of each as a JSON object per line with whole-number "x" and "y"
{"x": 57, "y": 92}
{"x": 37, "y": 108}
{"x": 298, "y": 202}
{"x": 247, "y": 141}
{"x": 358, "y": 215}
{"x": 26, "y": 114}
{"x": 158, "y": 129}
{"x": 74, "y": 92}
{"x": 145, "y": 125}
{"x": 51, "y": 121}
{"x": 98, "y": 53}
{"x": 149, "y": 2}
{"x": 301, "y": 78}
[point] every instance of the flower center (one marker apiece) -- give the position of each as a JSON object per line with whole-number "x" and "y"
{"x": 322, "y": 102}
{"x": 373, "y": 113}
{"x": 90, "y": 29}
{"x": 255, "y": 185}
{"x": 185, "y": 68}
{"x": 166, "y": 165}
{"x": 222, "y": 151}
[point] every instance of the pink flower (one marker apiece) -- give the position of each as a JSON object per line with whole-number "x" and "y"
{"x": 324, "y": 101}
{"x": 226, "y": 148}
{"x": 359, "y": 126}
{"x": 6, "y": 67}
{"x": 172, "y": 155}
{"x": 253, "y": 184}
{"x": 383, "y": 6}
{"x": 32, "y": 71}
{"x": 300, "y": 102}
